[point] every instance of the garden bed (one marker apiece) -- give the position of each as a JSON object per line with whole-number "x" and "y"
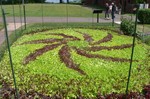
{"x": 72, "y": 62}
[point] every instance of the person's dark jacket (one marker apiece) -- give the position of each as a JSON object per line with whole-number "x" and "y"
{"x": 113, "y": 11}
{"x": 113, "y": 8}
{"x": 107, "y": 8}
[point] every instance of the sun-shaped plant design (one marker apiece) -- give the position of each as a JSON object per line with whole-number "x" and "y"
{"x": 65, "y": 51}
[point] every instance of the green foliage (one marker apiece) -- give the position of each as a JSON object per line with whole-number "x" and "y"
{"x": 33, "y": 28}
{"x": 78, "y": 44}
{"x": 140, "y": 1}
{"x": 127, "y": 26}
{"x": 144, "y": 16}
{"x": 48, "y": 75}
{"x": 39, "y": 27}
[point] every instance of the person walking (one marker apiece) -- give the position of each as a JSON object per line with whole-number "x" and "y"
{"x": 113, "y": 11}
{"x": 106, "y": 11}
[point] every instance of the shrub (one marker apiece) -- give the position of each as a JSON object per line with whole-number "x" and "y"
{"x": 144, "y": 16}
{"x": 127, "y": 26}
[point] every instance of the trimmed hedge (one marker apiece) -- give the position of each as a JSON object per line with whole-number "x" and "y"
{"x": 144, "y": 16}
{"x": 127, "y": 26}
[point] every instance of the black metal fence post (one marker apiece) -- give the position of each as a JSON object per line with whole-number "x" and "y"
{"x": 67, "y": 14}
{"x": 130, "y": 68}
{"x": 97, "y": 17}
{"x": 13, "y": 8}
{"x": 42, "y": 12}
{"x": 113, "y": 21}
{"x": 10, "y": 57}
{"x": 24, "y": 13}
{"x": 20, "y": 12}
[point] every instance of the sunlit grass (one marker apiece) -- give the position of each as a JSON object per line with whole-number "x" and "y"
{"x": 51, "y": 10}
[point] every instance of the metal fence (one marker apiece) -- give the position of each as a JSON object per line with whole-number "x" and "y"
{"x": 9, "y": 34}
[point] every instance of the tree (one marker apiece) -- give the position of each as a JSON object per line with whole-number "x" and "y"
{"x": 61, "y": 1}
{"x": 96, "y": 2}
{"x": 140, "y": 1}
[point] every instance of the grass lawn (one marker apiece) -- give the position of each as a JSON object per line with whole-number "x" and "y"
{"x": 52, "y": 10}
{"x": 143, "y": 28}
{"x": 76, "y": 61}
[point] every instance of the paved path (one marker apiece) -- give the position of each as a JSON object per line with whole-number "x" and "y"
{"x": 57, "y": 19}
{"x": 11, "y": 27}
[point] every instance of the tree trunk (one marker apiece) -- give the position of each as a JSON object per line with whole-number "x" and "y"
{"x": 96, "y": 2}
{"x": 67, "y": 1}
{"x": 124, "y": 6}
{"x": 61, "y": 1}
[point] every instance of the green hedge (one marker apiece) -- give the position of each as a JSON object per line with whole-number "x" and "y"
{"x": 127, "y": 26}
{"x": 144, "y": 16}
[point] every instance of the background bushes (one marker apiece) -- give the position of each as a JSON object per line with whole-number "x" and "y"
{"x": 144, "y": 16}
{"x": 127, "y": 26}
